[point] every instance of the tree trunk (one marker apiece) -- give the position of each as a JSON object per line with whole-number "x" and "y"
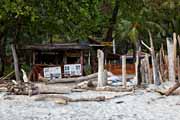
{"x": 138, "y": 65}
{"x": 16, "y": 65}
{"x": 112, "y": 21}
{"x": 2, "y": 55}
{"x": 101, "y": 80}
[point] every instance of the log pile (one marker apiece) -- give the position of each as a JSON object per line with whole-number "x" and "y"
{"x": 22, "y": 88}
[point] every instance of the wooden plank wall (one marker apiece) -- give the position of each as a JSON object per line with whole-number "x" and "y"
{"x": 116, "y": 69}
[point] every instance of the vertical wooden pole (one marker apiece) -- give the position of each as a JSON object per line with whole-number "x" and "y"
{"x": 16, "y": 64}
{"x": 166, "y": 75}
{"x": 149, "y": 77}
{"x": 89, "y": 58}
{"x": 146, "y": 72}
{"x": 174, "y": 49}
{"x": 163, "y": 65}
{"x": 178, "y": 69}
{"x": 105, "y": 77}
{"x": 170, "y": 59}
{"x": 154, "y": 62}
{"x": 142, "y": 70}
{"x": 65, "y": 58}
{"x": 114, "y": 47}
{"x": 82, "y": 62}
{"x": 34, "y": 57}
{"x": 178, "y": 39}
{"x": 101, "y": 81}
{"x": 124, "y": 70}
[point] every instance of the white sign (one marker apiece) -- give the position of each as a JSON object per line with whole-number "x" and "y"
{"x": 72, "y": 70}
{"x": 52, "y": 72}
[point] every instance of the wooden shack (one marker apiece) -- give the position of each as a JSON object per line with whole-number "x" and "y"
{"x": 70, "y": 58}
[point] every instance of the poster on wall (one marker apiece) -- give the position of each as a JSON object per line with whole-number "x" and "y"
{"x": 52, "y": 73}
{"x": 72, "y": 70}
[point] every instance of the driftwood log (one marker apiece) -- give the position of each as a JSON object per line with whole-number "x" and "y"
{"x": 69, "y": 80}
{"x": 65, "y": 100}
{"x": 91, "y": 85}
{"x": 170, "y": 91}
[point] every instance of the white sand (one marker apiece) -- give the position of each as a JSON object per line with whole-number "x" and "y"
{"x": 140, "y": 106}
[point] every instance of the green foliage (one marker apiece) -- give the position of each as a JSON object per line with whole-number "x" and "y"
{"x": 87, "y": 69}
{"x": 66, "y": 20}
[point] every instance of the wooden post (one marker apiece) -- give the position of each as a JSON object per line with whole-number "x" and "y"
{"x": 82, "y": 62}
{"x": 65, "y": 57}
{"x": 105, "y": 77}
{"x": 89, "y": 58}
{"x": 124, "y": 70}
{"x": 170, "y": 59}
{"x": 178, "y": 39}
{"x": 166, "y": 67}
{"x": 174, "y": 49}
{"x": 154, "y": 62}
{"x": 136, "y": 67}
{"x": 149, "y": 77}
{"x": 161, "y": 64}
{"x": 101, "y": 80}
{"x": 114, "y": 47}
{"x": 142, "y": 70}
{"x": 178, "y": 69}
{"x": 33, "y": 58}
{"x": 146, "y": 70}
{"x": 15, "y": 58}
